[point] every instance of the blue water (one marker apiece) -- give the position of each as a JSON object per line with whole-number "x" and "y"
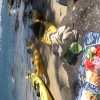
{"x": 13, "y": 55}
{"x": 5, "y": 53}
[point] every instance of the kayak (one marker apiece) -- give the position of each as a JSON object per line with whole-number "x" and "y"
{"x": 37, "y": 59}
{"x": 39, "y": 86}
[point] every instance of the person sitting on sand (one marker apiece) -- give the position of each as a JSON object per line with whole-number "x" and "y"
{"x": 10, "y": 4}
{"x": 42, "y": 30}
{"x": 13, "y": 6}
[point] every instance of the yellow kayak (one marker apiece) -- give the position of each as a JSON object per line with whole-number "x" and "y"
{"x": 37, "y": 59}
{"x": 39, "y": 87}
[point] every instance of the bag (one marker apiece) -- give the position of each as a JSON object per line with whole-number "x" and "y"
{"x": 89, "y": 75}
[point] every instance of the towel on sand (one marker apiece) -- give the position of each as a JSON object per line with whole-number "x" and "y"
{"x": 62, "y": 39}
{"x": 88, "y": 78}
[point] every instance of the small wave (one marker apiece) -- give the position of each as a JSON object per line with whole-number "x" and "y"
{"x": 0, "y": 49}
{"x": 13, "y": 80}
{"x": 13, "y": 75}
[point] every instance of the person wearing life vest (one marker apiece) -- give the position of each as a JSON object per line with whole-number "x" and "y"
{"x": 42, "y": 30}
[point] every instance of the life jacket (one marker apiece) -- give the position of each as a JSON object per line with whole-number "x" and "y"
{"x": 49, "y": 29}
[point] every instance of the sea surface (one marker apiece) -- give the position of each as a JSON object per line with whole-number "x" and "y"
{"x": 14, "y": 60}
{"x": 5, "y": 59}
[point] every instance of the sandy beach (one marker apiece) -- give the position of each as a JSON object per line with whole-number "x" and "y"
{"x": 56, "y": 75}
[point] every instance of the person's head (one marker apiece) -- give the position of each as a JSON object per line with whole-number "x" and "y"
{"x": 38, "y": 15}
{"x": 30, "y": 15}
{"x": 29, "y": 51}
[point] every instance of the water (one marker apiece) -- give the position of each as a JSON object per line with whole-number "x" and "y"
{"x": 5, "y": 62}
{"x": 14, "y": 60}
